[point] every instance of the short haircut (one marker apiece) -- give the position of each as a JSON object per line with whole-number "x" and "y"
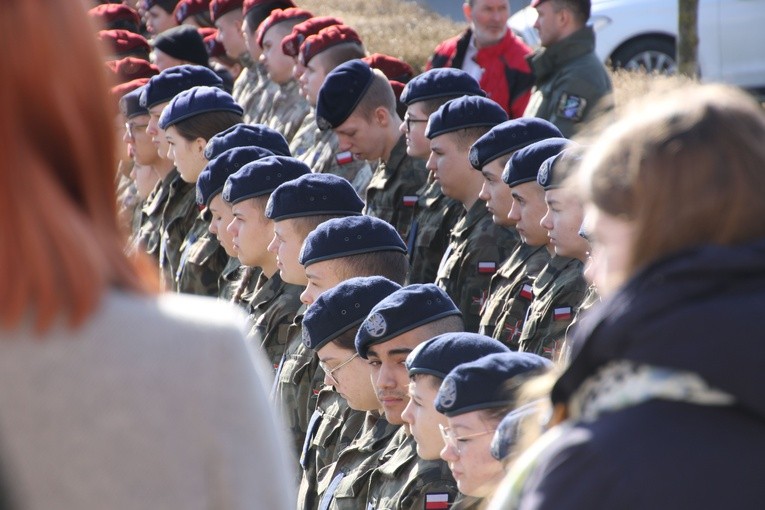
{"x": 433, "y": 381}
{"x": 429, "y": 106}
{"x": 304, "y": 225}
{"x": 258, "y": 14}
{"x": 393, "y": 265}
{"x": 206, "y": 125}
{"x": 449, "y": 324}
{"x": 347, "y": 340}
{"x": 579, "y": 8}
{"x": 339, "y": 54}
{"x": 464, "y": 138}
{"x": 378, "y": 95}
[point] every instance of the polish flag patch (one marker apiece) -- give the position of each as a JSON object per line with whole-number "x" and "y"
{"x": 410, "y": 200}
{"x": 344, "y": 158}
{"x": 527, "y": 291}
{"x": 487, "y": 267}
{"x": 437, "y": 501}
{"x": 562, "y": 313}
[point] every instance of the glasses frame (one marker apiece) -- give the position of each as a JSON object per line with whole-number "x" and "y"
{"x": 338, "y": 367}
{"x": 409, "y": 121}
{"x": 130, "y": 129}
{"x": 452, "y": 441}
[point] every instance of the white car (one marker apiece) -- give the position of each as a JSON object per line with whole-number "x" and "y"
{"x": 643, "y": 33}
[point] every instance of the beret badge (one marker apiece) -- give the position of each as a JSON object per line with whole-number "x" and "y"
{"x": 376, "y": 325}
{"x": 448, "y": 393}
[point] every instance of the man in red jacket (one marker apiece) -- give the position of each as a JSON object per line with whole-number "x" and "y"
{"x": 491, "y": 53}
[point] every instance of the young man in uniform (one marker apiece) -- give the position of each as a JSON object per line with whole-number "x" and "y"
{"x": 435, "y": 214}
{"x": 510, "y": 288}
{"x": 559, "y": 287}
{"x": 358, "y": 103}
{"x": 477, "y": 246}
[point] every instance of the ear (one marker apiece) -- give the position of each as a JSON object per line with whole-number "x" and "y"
{"x": 382, "y": 116}
{"x": 468, "y": 12}
{"x": 199, "y": 146}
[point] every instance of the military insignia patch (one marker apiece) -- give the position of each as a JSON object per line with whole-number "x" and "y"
{"x": 448, "y": 393}
{"x": 473, "y": 157}
{"x": 323, "y": 123}
{"x": 376, "y": 325}
{"x": 437, "y": 501}
{"x": 544, "y": 174}
{"x": 226, "y": 193}
{"x": 410, "y": 200}
{"x": 562, "y": 314}
{"x": 344, "y": 158}
{"x": 527, "y": 291}
{"x": 487, "y": 267}
{"x": 571, "y": 107}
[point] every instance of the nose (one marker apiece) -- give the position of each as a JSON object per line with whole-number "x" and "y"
{"x": 402, "y": 127}
{"x": 306, "y": 299}
{"x": 546, "y": 221}
{"x": 213, "y": 227}
{"x": 515, "y": 212}
{"x": 431, "y": 163}
{"x": 273, "y": 246}
{"x": 343, "y": 143}
{"x": 448, "y": 453}
{"x": 407, "y": 414}
{"x": 385, "y": 378}
{"x": 232, "y": 228}
{"x": 484, "y": 193}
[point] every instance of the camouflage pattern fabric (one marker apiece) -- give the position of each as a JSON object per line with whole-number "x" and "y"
{"x": 149, "y": 235}
{"x": 262, "y": 96}
{"x": 178, "y": 218}
{"x": 202, "y": 262}
{"x": 288, "y": 110}
{"x": 591, "y": 298}
{"x": 230, "y": 279}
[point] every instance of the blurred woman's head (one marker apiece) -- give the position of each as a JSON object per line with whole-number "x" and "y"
{"x": 59, "y": 243}
{"x": 680, "y": 170}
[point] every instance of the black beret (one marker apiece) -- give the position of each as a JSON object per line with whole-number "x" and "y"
{"x": 313, "y": 194}
{"x": 524, "y": 164}
{"x": 341, "y": 93}
{"x": 213, "y": 178}
{"x": 244, "y": 135}
{"x": 262, "y": 177}
{"x": 343, "y": 307}
{"x": 353, "y": 235}
{"x": 440, "y": 82}
{"x": 171, "y": 82}
{"x": 408, "y": 308}
{"x": 480, "y": 384}
{"x": 130, "y": 104}
{"x": 556, "y": 169}
{"x": 464, "y": 113}
{"x": 508, "y": 137}
{"x": 440, "y": 355}
{"x": 184, "y": 43}
{"x": 506, "y": 435}
{"x": 196, "y": 101}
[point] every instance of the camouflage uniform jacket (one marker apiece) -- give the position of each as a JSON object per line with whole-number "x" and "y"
{"x": 149, "y": 235}
{"x": 246, "y": 84}
{"x": 263, "y": 96}
{"x": 178, "y": 218}
{"x": 319, "y": 150}
{"x": 558, "y": 292}
{"x": 344, "y": 484}
{"x": 591, "y": 298}
{"x": 510, "y": 294}
{"x": 297, "y": 384}
{"x": 331, "y": 429}
{"x": 404, "y": 481}
{"x": 230, "y": 279}
{"x": 392, "y": 192}
{"x": 202, "y": 261}
{"x": 288, "y": 110}
{"x": 272, "y": 311}
{"x": 477, "y": 248}
{"x": 434, "y": 218}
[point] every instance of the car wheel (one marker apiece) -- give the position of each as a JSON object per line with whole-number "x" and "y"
{"x": 649, "y": 54}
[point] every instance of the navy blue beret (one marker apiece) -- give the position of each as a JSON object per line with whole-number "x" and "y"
{"x": 524, "y": 164}
{"x": 261, "y": 177}
{"x": 440, "y": 355}
{"x": 408, "y": 308}
{"x": 343, "y": 307}
{"x": 171, "y": 82}
{"x": 440, "y": 82}
{"x": 341, "y": 93}
{"x": 506, "y": 435}
{"x": 464, "y": 113}
{"x": 510, "y": 136}
{"x": 556, "y": 169}
{"x": 313, "y": 194}
{"x": 196, "y": 101}
{"x": 213, "y": 177}
{"x": 353, "y": 235}
{"x": 130, "y": 104}
{"x": 244, "y": 135}
{"x": 480, "y": 384}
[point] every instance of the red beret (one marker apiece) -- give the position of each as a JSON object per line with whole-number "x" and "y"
{"x": 301, "y": 31}
{"x": 214, "y": 47}
{"x": 393, "y": 68}
{"x": 251, "y": 4}
{"x": 220, "y": 7}
{"x": 397, "y": 87}
{"x": 123, "y": 88}
{"x": 122, "y": 43}
{"x": 325, "y": 39}
{"x": 131, "y": 68}
{"x": 187, "y": 8}
{"x": 107, "y": 14}
{"x": 280, "y": 16}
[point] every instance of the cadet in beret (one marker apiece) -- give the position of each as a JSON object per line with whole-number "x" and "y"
{"x": 288, "y": 108}
{"x": 159, "y": 15}
{"x": 131, "y": 68}
{"x": 116, "y": 17}
{"x": 350, "y": 410}
{"x": 477, "y": 247}
{"x": 177, "y": 209}
{"x": 291, "y": 43}
{"x": 393, "y": 329}
{"x": 297, "y": 207}
{"x": 189, "y": 121}
{"x": 244, "y": 135}
{"x": 358, "y": 103}
{"x": 120, "y": 43}
{"x": 474, "y": 397}
{"x": 178, "y": 46}
{"x": 559, "y": 287}
{"x": 193, "y": 12}
{"x": 510, "y": 288}
{"x": 319, "y": 54}
{"x": 435, "y": 214}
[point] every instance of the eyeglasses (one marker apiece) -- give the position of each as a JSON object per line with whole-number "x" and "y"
{"x": 454, "y": 442}
{"x": 409, "y": 121}
{"x": 329, "y": 372}
{"x": 131, "y": 128}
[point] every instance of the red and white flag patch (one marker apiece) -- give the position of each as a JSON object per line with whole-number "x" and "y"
{"x": 562, "y": 314}
{"x": 527, "y": 291}
{"x": 343, "y": 158}
{"x": 487, "y": 267}
{"x": 410, "y": 200}
{"x": 437, "y": 501}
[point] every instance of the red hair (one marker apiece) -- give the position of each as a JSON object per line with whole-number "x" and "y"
{"x": 60, "y": 247}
